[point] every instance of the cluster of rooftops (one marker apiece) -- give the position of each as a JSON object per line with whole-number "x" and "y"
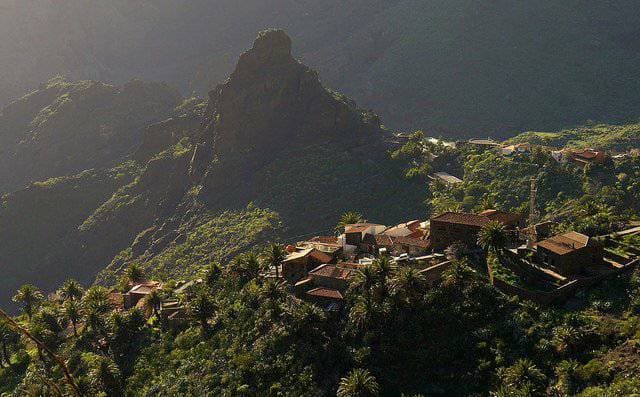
{"x": 320, "y": 269}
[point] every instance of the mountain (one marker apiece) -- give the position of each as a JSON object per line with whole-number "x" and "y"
{"x": 278, "y": 138}
{"x": 456, "y": 67}
{"x": 64, "y": 128}
{"x": 272, "y": 153}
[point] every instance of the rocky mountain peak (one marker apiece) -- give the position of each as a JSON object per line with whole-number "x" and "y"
{"x": 269, "y": 47}
{"x": 272, "y": 107}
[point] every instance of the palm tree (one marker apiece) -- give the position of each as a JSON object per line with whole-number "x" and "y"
{"x": 42, "y": 347}
{"x": 104, "y": 375}
{"x": 246, "y": 266}
{"x": 202, "y": 308}
{"x": 95, "y": 305}
{"x": 274, "y": 255}
{"x": 71, "y": 290}
{"x": 456, "y": 275}
{"x": 383, "y": 269}
{"x": 212, "y": 275}
{"x": 493, "y": 237}
{"x": 359, "y": 383}
{"x": 273, "y": 292}
{"x": 364, "y": 280}
{"x": 72, "y": 312}
{"x": 361, "y": 314}
{"x": 29, "y": 296}
{"x": 348, "y": 218}
{"x": 134, "y": 273}
{"x": 409, "y": 283}
{"x": 153, "y": 301}
{"x": 525, "y": 375}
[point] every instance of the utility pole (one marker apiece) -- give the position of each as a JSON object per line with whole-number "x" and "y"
{"x": 534, "y": 214}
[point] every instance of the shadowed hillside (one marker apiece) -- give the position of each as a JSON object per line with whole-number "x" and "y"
{"x": 64, "y": 128}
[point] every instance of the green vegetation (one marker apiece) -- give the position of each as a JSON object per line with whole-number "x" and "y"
{"x": 600, "y": 137}
{"x": 595, "y": 200}
{"x": 208, "y": 238}
{"x": 396, "y": 335}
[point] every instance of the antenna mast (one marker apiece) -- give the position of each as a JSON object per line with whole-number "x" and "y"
{"x": 534, "y": 214}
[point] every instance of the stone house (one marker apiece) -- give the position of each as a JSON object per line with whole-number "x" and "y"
{"x": 569, "y": 253}
{"x": 297, "y": 264}
{"x": 452, "y": 227}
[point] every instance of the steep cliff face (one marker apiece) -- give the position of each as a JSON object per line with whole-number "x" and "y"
{"x": 64, "y": 128}
{"x": 279, "y": 138}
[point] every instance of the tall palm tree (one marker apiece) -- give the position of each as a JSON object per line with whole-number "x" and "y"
{"x": 383, "y": 269}
{"x": 134, "y": 273}
{"x": 348, "y": 218}
{"x": 359, "y": 383}
{"x": 202, "y": 309}
{"x": 274, "y": 255}
{"x": 28, "y": 296}
{"x": 73, "y": 313}
{"x": 153, "y": 301}
{"x": 246, "y": 266}
{"x": 71, "y": 290}
{"x": 95, "y": 305}
{"x": 273, "y": 293}
{"x": 493, "y": 237}
{"x": 104, "y": 375}
{"x": 408, "y": 283}
{"x": 364, "y": 280}
{"x": 362, "y": 314}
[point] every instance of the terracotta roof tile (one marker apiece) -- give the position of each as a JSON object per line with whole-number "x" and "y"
{"x": 477, "y": 220}
{"x": 414, "y": 242}
{"x": 565, "y": 243}
{"x": 332, "y": 271}
{"x": 462, "y": 218}
{"x": 325, "y": 239}
{"x": 322, "y": 292}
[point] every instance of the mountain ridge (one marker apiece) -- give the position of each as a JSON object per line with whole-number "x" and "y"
{"x": 454, "y": 67}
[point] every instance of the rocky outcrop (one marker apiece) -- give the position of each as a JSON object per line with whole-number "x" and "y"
{"x": 272, "y": 125}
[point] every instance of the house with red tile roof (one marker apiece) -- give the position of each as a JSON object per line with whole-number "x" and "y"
{"x": 355, "y": 233}
{"x": 297, "y": 264}
{"x": 331, "y": 300}
{"x": 580, "y": 157}
{"x": 452, "y": 227}
{"x": 414, "y": 246}
{"x": 569, "y": 253}
{"x": 332, "y": 276}
{"x": 139, "y": 291}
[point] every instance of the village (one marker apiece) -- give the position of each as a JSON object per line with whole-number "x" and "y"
{"x": 542, "y": 266}
{"x": 320, "y": 269}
